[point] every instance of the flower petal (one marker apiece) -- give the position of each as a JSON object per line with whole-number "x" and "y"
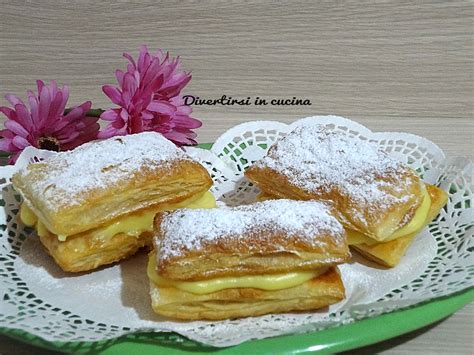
{"x": 143, "y": 58}
{"x": 20, "y": 142}
{"x": 147, "y": 115}
{"x": 130, "y": 58}
{"x": 16, "y": 128}
{"x": 55, "y": 111}
{"x": 13, "y": 99}
{"x": 75, "y": 113}
{"x": 6, "y": 133}
{"x": 53, "y": 87}
{"x": 7, "y": 111}
{"x": 72, "y": 119}
{"x": 180, "y": 138}
{"x": 34, "y": 108}
{"x": 162, "y": 107}
{"x": 6, "y": 145}
{"x": 113, "y": 93}
{"x": 39, "y": 85}
{"x": 23, "y": 117}
{"x": 90, "y": 127}
{"x": 119, "y": 76}
{"x": 65, "y": 92}
{"x": 110, "y": 115}
{"x": 68, "y": 134}
{"x": 111, "y": 131}
{"x": 184, "y": 110}
{"x": 148, "y": 94}
{"x": 130, "y": 85}
{"x": 78, "y": 111}
{"x": 186, "y": 121}
{"x": 44, "y": 104}
{"x": 175, "y": 90}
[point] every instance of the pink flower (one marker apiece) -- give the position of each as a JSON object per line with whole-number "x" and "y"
{"x": 148, "y": 99}
{"x": 45, "y": 125}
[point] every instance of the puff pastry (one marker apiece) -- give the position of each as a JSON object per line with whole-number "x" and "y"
{"x": 318, "y": 292}
{"x": 253, "y": 254}
{"x": 85, "y": 202}
{"x": 87, "y": 252}
{"x": 78, "y": 190}
{"x": 390, "y": 253}
{"x": 370, "y": 193}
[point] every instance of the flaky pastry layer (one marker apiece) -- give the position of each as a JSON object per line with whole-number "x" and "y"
{"x": 370, "y": 192}
{"x": 106, "y": 244}
{"x": 84, "y": 253}
{"x": 248, "y": 240}
{"x": 123, "y": 175}
{"x": 390, "y": 253}
{"x": 319, "y": 292}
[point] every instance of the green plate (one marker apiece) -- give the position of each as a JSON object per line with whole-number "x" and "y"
{"x": 341, "y": 338}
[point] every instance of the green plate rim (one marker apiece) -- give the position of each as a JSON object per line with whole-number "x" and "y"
{"x": 340, "y": 338}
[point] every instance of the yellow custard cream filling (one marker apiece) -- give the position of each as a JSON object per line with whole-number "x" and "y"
{"x": 418, "y": 219}
{"x": 415, "y": 224}
{"x": 269, "y": 282}
{"x": 132, "y": 225}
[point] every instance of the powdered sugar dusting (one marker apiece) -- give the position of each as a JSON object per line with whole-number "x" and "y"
{"x": 100, "y": 165}
{"x": 318, "y": 159}
{"x": 190, "y": 230}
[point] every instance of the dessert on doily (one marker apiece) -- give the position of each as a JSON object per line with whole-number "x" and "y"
{"x": 382, "y": 203}
{"x": 95, "y": 205}
{"x": 324, "y": 190}
{"x": 440, "y": 254}
{"x": 324, "y": 187}
{"x": 270, "y": 257}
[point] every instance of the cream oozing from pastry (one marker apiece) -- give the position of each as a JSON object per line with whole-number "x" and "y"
{"x": 269, "y": 246}
{"x": 269, "y": 282}
{"x": 413, "y": 226}
{"x": 132, "y": 225}
{"x": 418, "y": 219}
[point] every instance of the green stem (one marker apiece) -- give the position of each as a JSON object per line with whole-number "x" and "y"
{"x": 93, "y": 112}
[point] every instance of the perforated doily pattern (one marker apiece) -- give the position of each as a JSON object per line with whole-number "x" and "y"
{"x": 450, "y": 271}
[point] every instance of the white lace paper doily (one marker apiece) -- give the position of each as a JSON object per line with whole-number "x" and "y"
{"x": 37, "y": 297}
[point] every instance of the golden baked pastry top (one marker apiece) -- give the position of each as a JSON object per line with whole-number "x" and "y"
{"x": 70, "y": 177}
{"x": 370, "y": 191}
{"x": 81, "y": 189}
{"x": 268, "y": 257}
{"x": 266, "y": 237}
